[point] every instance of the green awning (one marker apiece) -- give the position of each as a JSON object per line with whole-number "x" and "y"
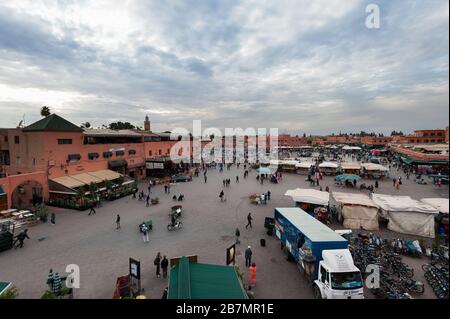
{"x": 410, "y": 161}
{"x": 4, "y": 286}
{"x": 204, "y": 281}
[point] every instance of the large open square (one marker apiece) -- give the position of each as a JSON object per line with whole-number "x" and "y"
{"x": 102, "y": 252}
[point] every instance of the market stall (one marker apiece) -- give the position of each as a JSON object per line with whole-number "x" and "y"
{"x": 442, "y": 205}
{"x": 375, "y": 171}
{"x": 288, "y": 165}
{"x": 192, "y": 280}
{"x": 308, "y": 199}
{"x": 328, "y": 168}
{"x": 304, "y": 167}
{"x": 350, "y": 168}
{"x": 356, "y": 211}
{"x": 407, "y": 215}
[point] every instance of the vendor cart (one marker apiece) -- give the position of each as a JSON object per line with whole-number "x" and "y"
{"x": 148, "y": 223}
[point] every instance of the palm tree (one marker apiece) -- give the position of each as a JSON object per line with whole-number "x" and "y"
{"x": 81, "y": 192}
{"x": 45, "y": 111}
{"x": 85, "y": 125}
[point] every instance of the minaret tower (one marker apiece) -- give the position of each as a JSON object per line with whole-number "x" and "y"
{"x": 146, "y": 124}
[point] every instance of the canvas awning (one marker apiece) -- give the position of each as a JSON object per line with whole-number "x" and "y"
{"x": 357, "y": 211}
{"x": 328, "y": 165}
{"x": 68, "y": 181}
{"x": 407, "y": 215}
{"x": 78, "y": 180}
{"x": 350, "y": 165}
{"x": 441, "y": 204}
{"x": 189, "y": 280}
{"x": 310, "y": 196}
{"x": 374, "y": 167}
{"x": 304, "y": 165}
{"x": 117, "y": 163}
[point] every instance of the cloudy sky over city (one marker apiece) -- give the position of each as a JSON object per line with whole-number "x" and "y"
{"x": 303, "y": 66}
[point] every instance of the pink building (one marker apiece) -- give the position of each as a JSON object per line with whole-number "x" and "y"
{"x": 54, "y": 147}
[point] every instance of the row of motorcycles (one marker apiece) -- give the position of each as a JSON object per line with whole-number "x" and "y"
{"x": 396, "y": 279}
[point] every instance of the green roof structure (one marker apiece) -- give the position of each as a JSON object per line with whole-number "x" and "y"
{"x": 189, "y": 280}
{"x": 53, "y": 123}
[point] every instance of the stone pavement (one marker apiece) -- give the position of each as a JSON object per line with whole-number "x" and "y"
{"x": 209, "y": 225}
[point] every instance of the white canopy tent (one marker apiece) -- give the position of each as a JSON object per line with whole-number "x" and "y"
{"x": 351, "y": 148}
{"x": 328, "y": 165}
{"x": 356, "y": 210}
{"x": 304, "y": 164}
{"x": 374, "y": 167}
{"x": 310, "y": 196}
{"x": 407, "y": 215}
{"x": 441, "y": 204}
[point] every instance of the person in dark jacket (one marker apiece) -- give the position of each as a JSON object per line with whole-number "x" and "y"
{"x": 238, "y": 234}
{"x": 20, "y": 238}
{"x": 248, "y": 256}
{"x": 157, "y": 263}
{"x": 249, "y": 221}
{"x": 164, "y": 266}
{"x": 118, "y": 221}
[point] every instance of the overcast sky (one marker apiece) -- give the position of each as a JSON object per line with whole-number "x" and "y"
{"x": 304, "y": 66}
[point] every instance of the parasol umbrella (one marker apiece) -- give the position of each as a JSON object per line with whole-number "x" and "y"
{"x": 57, "y": 284}
{"x": 347, "y": 177}
{"x": 263, "y": 170}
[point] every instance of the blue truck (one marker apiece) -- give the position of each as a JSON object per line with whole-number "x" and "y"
{"x": 320, "y": 253}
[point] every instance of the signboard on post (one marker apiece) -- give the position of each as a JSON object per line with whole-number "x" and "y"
{"x": 135, "y": 275}
{"x": 231, "y": 254}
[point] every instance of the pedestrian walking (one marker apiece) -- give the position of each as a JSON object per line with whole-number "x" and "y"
{"x": 53, "y": 218}
{"x": 249, "y": 221}
{"x": 248, "y": 256}
{"x": 164, "y": 266}
{"x": 147, "y": 200}
{"x": 252, "y": 271}
{"x": 237, "y": 179}
{"x": 165, "y": 189}
{"x": 144, "y": 230}
{"x": 237, "y": 234}
{"x": 157, "y": 263}
{"x": 134, "y": 193}
{"x": 118, "y": 221}
{"x": 376, "y": 184}
{"x": 206, "y": 178}
{"x": 92, "y": 210}
{"x": 221, "y": 196}
{"x": 268, "y": 195}
{"x": 21, "y": 238}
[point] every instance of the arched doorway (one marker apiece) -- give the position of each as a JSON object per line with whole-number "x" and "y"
{"x": 27, "y": 194}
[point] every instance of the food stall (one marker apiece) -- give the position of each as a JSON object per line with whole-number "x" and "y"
{"x": 355, "y": 211}
{"x": 304, "y": 167}
{"x": 309, "y": 199}
{"x": 406, "y": 215}
{"x": 375, "y": 171}
{"x": 328, "y": 168}
{"x": 350, "y": 168}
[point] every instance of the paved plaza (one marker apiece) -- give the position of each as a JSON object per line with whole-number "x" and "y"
{"x": 102, "y": 252}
